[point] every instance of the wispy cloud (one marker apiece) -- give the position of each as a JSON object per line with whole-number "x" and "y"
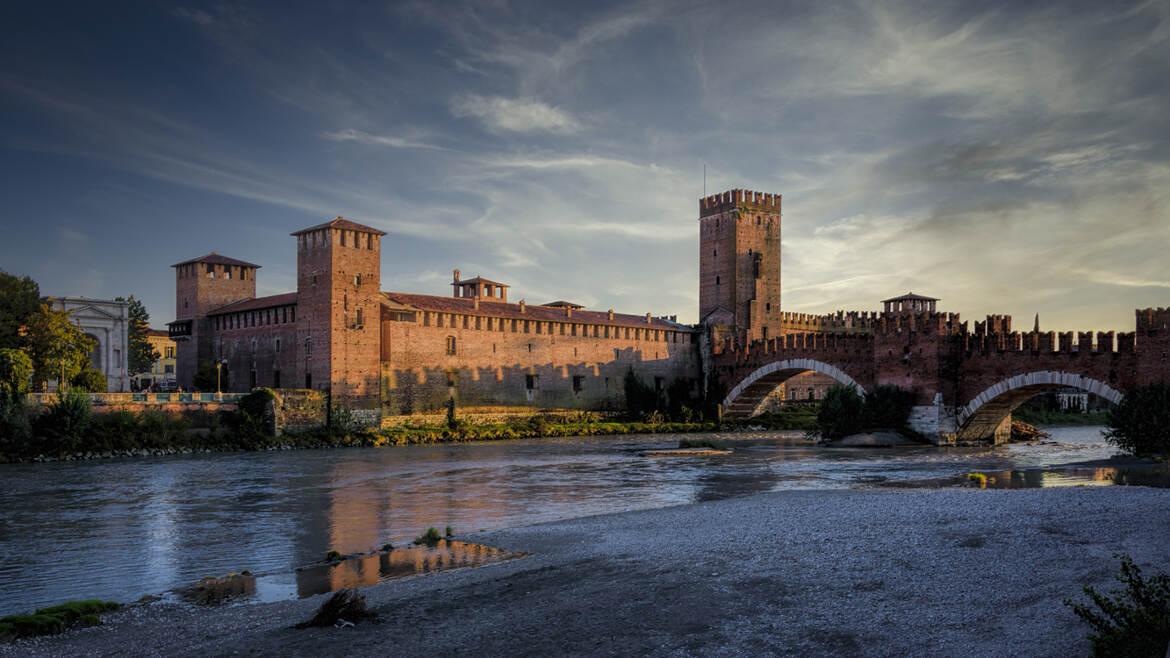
{"x": 351, "y": 135}
{"x": 514, "y": 114}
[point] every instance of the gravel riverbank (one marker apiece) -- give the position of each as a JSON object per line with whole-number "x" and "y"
{"x": 859, "y": 572}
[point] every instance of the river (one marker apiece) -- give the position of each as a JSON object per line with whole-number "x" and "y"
{"x": 118, "y": 529}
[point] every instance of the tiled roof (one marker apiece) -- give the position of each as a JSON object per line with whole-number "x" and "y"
{"x": 257, "y": 302}
{"x": 560, "y": 303}
{"x": 216, "y": 259}
{"x": 480, "y": 279}
{"x": 341, "y": 223}
{"x": 158, "y": 333}
{"x": 466, "y": 306}
{"x": 910, "y": 297}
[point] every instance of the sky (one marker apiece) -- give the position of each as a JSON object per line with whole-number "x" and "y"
{"x": 1004, "y": 157}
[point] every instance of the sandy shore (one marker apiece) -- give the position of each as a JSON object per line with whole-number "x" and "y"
{"x": 866, "y": 572}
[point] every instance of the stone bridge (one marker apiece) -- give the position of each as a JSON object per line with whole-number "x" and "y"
{"x": 966, "y": 382}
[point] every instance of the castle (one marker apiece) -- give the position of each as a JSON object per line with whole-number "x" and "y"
{"x": 386, "y": 355}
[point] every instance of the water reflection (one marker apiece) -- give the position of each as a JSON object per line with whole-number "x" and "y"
{"x": 117, "y": 529}
{"x": 1035, "y": 478}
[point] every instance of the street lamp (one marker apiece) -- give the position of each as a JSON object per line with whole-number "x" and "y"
{"x": 218, "y": 368}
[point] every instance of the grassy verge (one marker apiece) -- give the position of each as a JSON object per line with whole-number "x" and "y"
{"x": 127, "y": 434}
{"x": 48, "y": 621}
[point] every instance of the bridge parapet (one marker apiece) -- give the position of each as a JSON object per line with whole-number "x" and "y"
{"x": 837, "y": 321}
{"x": 1067, "y": 342}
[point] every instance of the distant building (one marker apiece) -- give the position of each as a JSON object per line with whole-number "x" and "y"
{"x": 107, "y": 322}
{"x": 162, "y": 371}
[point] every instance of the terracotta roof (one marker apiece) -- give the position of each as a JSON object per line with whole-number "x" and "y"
{"x": 911, "y": 297}
{"x": 257, "y": 302}
{"x": 560, "y": 303}
{"x": 342, "y": 223}
{"x": 216, "y": 259}
{"x": 466, "y": 306}
{"x": 158, "y": 333}
{"x": 480, "y": 279}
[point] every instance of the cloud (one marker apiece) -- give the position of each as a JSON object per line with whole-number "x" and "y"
{"x": 351, "y": 135}
{"x": 521, "y": 115}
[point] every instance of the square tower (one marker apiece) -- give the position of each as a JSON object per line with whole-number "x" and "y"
{"x": 202, "y": 285}
{"x": 339, "y": 309}
{"x": 739, "y": 263}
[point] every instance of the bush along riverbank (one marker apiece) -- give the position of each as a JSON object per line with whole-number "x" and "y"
{"x": 69, "y": 430}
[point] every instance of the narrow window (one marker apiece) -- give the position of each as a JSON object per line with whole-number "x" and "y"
{"x": 275, "y": 379}
{"x": 716, "y": 279}
{"x": 452, "y": 378}
{"x": 357, "y": 280}
{"x": 451, "y": 345}
{"x": 529, "y": 347}
{"x": 578, "y": 383}
{"x": 530, "y": 382}
{"x": 359, "y": 318}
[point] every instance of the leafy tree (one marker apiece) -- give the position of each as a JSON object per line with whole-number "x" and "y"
{"x": 205, "y": 377}
{"x": 1140, "y": 423}
{"x": 842, "y": 412}
{"x": 142, "y": 354}
{"x": 58, "y": 348}
{"x": 888, "y": 407}
{"x": 641, "y": 398}
{"x": 15, "y": 372}
{"x": 19, "y": 299}
{"x": 91, "y": 380}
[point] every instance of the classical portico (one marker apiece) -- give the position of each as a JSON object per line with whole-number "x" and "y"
{"x": 107, "y": 322}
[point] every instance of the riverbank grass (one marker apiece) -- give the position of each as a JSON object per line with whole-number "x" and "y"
{"x": 56, "y": 619}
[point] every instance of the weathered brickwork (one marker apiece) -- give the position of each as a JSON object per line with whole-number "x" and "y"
{"x": 385, "y": 354}
{"x": 739, "y": 262}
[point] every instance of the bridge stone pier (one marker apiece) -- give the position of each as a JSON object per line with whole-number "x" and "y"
{"x": 967, "y": 381}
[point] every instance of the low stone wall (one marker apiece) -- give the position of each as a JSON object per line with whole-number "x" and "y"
{"x": 299, "y": 409}
{"x": 198, "y": 408}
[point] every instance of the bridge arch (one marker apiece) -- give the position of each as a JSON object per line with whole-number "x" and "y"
{"x": 980, "y": 417}
{"x": 746, "y": 396}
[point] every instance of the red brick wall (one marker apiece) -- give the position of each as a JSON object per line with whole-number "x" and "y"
{"x": 195, "y": 295}
{"x": 491, "y": 367}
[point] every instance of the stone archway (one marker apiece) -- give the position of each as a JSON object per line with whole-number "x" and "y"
{"x": 980, "y": 417}
{"x": 749, "y": 393}
{"x": 95, "y": 355}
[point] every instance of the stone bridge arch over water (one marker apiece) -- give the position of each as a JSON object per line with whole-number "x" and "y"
{"x": 985, "y": 414}
{"x": 748, "y": 395}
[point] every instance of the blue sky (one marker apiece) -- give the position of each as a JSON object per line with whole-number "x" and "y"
{"x": 1007, "y": 158}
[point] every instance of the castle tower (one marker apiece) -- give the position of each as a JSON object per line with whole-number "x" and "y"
{"x": 201, "y": 285}
{"x": 339, "y": 313}
{"x": 739, "y": 263}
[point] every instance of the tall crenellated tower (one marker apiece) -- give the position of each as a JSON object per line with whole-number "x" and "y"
{"x": 201, "y": 285}
{"x": 739, "y": 263}
{"x": 338, "y": 308}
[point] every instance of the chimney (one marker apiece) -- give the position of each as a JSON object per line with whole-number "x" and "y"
{"x": 456, "y": 276}
{"x": 475, "y": 303}
{"x": 611, "y": 314}
{"x": 568, "y": 311}
{"x": 521, "y": 305}
{"x": 647, "y": 318}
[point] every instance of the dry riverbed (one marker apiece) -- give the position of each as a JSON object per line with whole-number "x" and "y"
{"x": 869, "y": 572}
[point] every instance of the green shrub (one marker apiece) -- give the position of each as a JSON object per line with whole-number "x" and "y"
{"x": 888, "y": 407}
{"x": 701, "y": 443}
{"x": 842, "y": 412}
{"x": 90, "y": 380}
{"x": 431, "y": 536}
{"x": 1140, "y": 423}
{"x": 333, "y": 556}
{"x": 56, "y": 619}
{"x": 63, "y": 424}
{"x": 1133, "y": 622}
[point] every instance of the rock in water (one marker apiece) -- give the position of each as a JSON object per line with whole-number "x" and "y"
{"x": 345, "y": 604}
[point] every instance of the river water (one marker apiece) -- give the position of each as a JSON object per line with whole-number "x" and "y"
{"x": 118, "y": 529}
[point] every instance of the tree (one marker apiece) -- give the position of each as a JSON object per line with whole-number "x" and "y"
{"x": 91, "y": 380}
{"x": 641, "y": 399}
{"x": 205, "y": 377}
{"x": 888, "y": 407}
{"x": 842, "y": 412}
{"x": 19, "y": 299}
{"x": 142, "y": 354}
{"x": 15, "y": 372}
{"x": 58, "y": 348}
{"x": 1140, "y": 423}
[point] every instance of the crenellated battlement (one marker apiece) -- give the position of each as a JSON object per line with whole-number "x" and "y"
{"x": 933, "y": 322}
{"x": 1152, "y": 319}
{"x": 850, "y": 321}
{"x": 1051, "y": 342}
{"x": 802, "y": 343}
{"x": 738, "y": 199}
